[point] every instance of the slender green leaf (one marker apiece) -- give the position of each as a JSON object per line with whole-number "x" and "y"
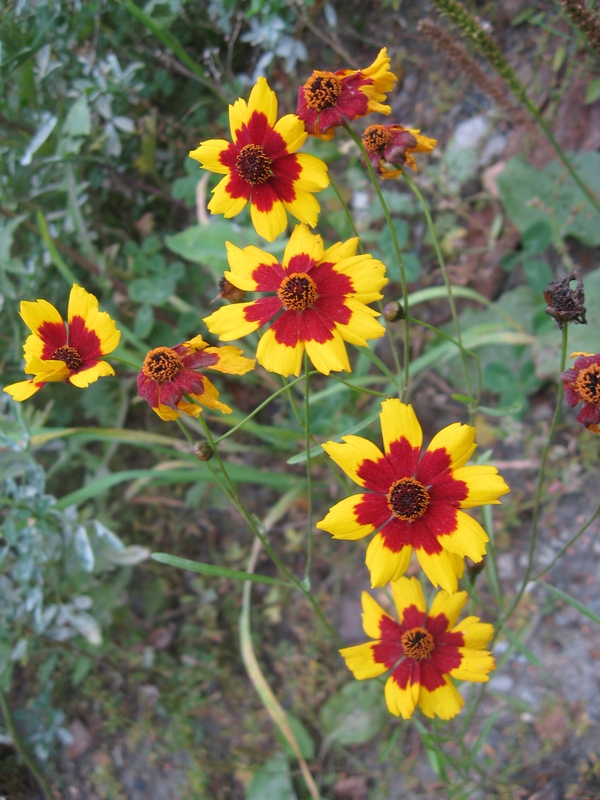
{"x": 211, "y": 569}
{"x": 560, "y": 595}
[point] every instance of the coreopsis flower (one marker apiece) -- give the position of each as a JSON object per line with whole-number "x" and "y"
{"x": 330, "y": 99}
{"x": 413, "y": 502}
{"x": 55, "y": 352}
{"x": 582, "y": 384}
{"x": 170, "y": 382}
{"x": 315, "y": 301}
{"x": 261, "y": 166}
{"x": 393, "y": 144}
{"x": 423, "y": 650}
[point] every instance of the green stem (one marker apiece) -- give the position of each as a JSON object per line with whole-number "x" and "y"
{"x": 569, "y": 544}
{"x": 309, "y": 486}
{"x": 403, "y": 281}
{"x": 23, "y": 749}
{"x": 540, "y": 484}
{"x": 346, "y": 212}
{"x": 438, "y": 251}
{"x": 235, "y": 498}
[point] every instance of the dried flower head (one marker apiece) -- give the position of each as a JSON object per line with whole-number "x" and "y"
{"x": 564, "y": 303}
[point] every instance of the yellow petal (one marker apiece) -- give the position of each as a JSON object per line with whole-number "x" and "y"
{"x": 269, "y": 224}
{"x": 209, "y": 155}
{"x": 22, "y": 390}
{"x": 47, "y": 370}
{"x": 443, "y": 569}
{"x": 208, "y": 398}
{"x": 340, "y": 251}
{"x": 484, "y": 484}
{"x": 263, "y": 100}
{"x": 303, "y": 241}
{"x": 341, "y": 520}
{"x": 82, "y": 379}
{"x": 383, "y": 564}
{"x": 238, "y": 116}
{"x": 243, "y": 262}
{"x": 401, "y": 702}
{"x": 444, "y": 702}
{"x": 458, "y": 441}
{"x": 359, "y": 660}
{"x": 408, "y": 592}
{"x": 475, "y": 666}
{"x": 330, "y": 356}
{"x": 231, "y": 360}
{"x": 469, "y": 538}
{"x": 223, "y": 203}
{"x": 229, "y": 322}
{"x": 399, "y": 420}
{"x": 277, "y": 357}
{"x": 372, "y": 616}
{"x": 35, "y": 314}
{"x": 291, "y": 129}
{"x": 476, "y": 634}
{"x": 304, "y": 207}
{"x": 450, "y": 605}
{"x": 351, "y": 454}
{"x": 314, "y": 175}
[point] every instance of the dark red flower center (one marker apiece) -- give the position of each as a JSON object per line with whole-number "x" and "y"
{"x": 298, "y": 291}
{"x": 69, "y": 355}
{"x": 322, "y": 90}
{"x": 162, "y": 364}
{"x": 418, "y": 643}
{"x": 408, "y": 499}
{"x": 588, "y": 383}
{"x": 375, "y": 138}
{"x": 253, "y": 164}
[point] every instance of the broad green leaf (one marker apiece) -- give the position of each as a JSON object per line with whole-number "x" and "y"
{"x": 273, "y": 781}
{"x": 303, "y": 738}
{"x": 355, "y": 714}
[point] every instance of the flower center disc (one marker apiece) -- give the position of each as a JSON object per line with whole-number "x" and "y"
{"x": 253, "y": 164}
{"x": 408, "y": 499}
{"x": 418, "y": 643}
{"x": 69, "y": 355}
{"x": 376, "y": 137}
{"x": 322, "y": 90}
{"x": 162, "y": 364}
{"x": 298, "y": 291}
{"x": 588, "y": 384}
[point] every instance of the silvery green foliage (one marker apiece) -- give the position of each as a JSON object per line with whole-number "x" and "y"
{"x": 51, "y": 561}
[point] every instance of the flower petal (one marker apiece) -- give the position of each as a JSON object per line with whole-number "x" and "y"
{"x": 230, "y": 322}
{"x": 83, "y": 378}
{"x": 352, "y": 455}
{"x": 208, "y": 153}
{"x": 484, "y": 485}
{"x": 271, "y": 222}
{"x": 407, "y": 592}
{"x": 401, "y": 702}
{"x": 469, "y": 538}
{"x": 277, "y": 357}
{"x": 23, "y": 390}
{"x": 443, "y": 568}
{"x": 475, "y": 665}
{"x": 444, "y": 702}
{"x": 361, "y": 663}
{"x": 253, "y": 269}
{"x": 342, "y": 522}
{"x": 384, "y": 564}
{"x": 450, "y": 605}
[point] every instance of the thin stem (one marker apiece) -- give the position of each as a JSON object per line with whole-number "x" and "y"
{"x": 438, "y": 251}
{"x": 23, "y": 749}
{"x": 235, "y": 498}
{"x": 569, "y": 544}
{"x": 540, "y": 484}
{"x": 346, "y": 212}
{"x": 309, "y": 486}
{"x": 403, "y": 281}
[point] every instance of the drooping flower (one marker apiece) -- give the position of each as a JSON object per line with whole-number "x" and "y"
{"x": 170, "y": 383}
{"x": 330, "y": 99}
{"x": 315, "y": 297}
{"x": 565, "y": 303}
{"x": 393, "y": 144}
{"x": 55, "y": 352}
{"x": 413, "y": 502}
{"x": 261, "y": 166}
{"x": 423, "y": 650}
{"x": 582, "y": 384}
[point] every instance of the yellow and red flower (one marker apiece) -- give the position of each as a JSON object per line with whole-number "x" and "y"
{"x": 330, "y": 99}
{"x": 315, "y": 300}
{"x": 55, "y": 352}
{"x": 582, "y": 384}
{"x": 423, "y": 650}
{"x": 261, "y": 166}
{"x": 170, "y": 383}
{"x": 393, "y": 144}
{"x": 413, "y": 502}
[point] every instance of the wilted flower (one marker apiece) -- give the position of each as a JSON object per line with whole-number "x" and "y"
{"x": 393, "y": 144}
{"x": 330, "y": 99}
{"x": 564, "y": 303}
{"x": 582, "y": 384}
{"x": 169, "y": 373}
{"x": 425, "y": 651}
{"x": 56, "y": 353}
